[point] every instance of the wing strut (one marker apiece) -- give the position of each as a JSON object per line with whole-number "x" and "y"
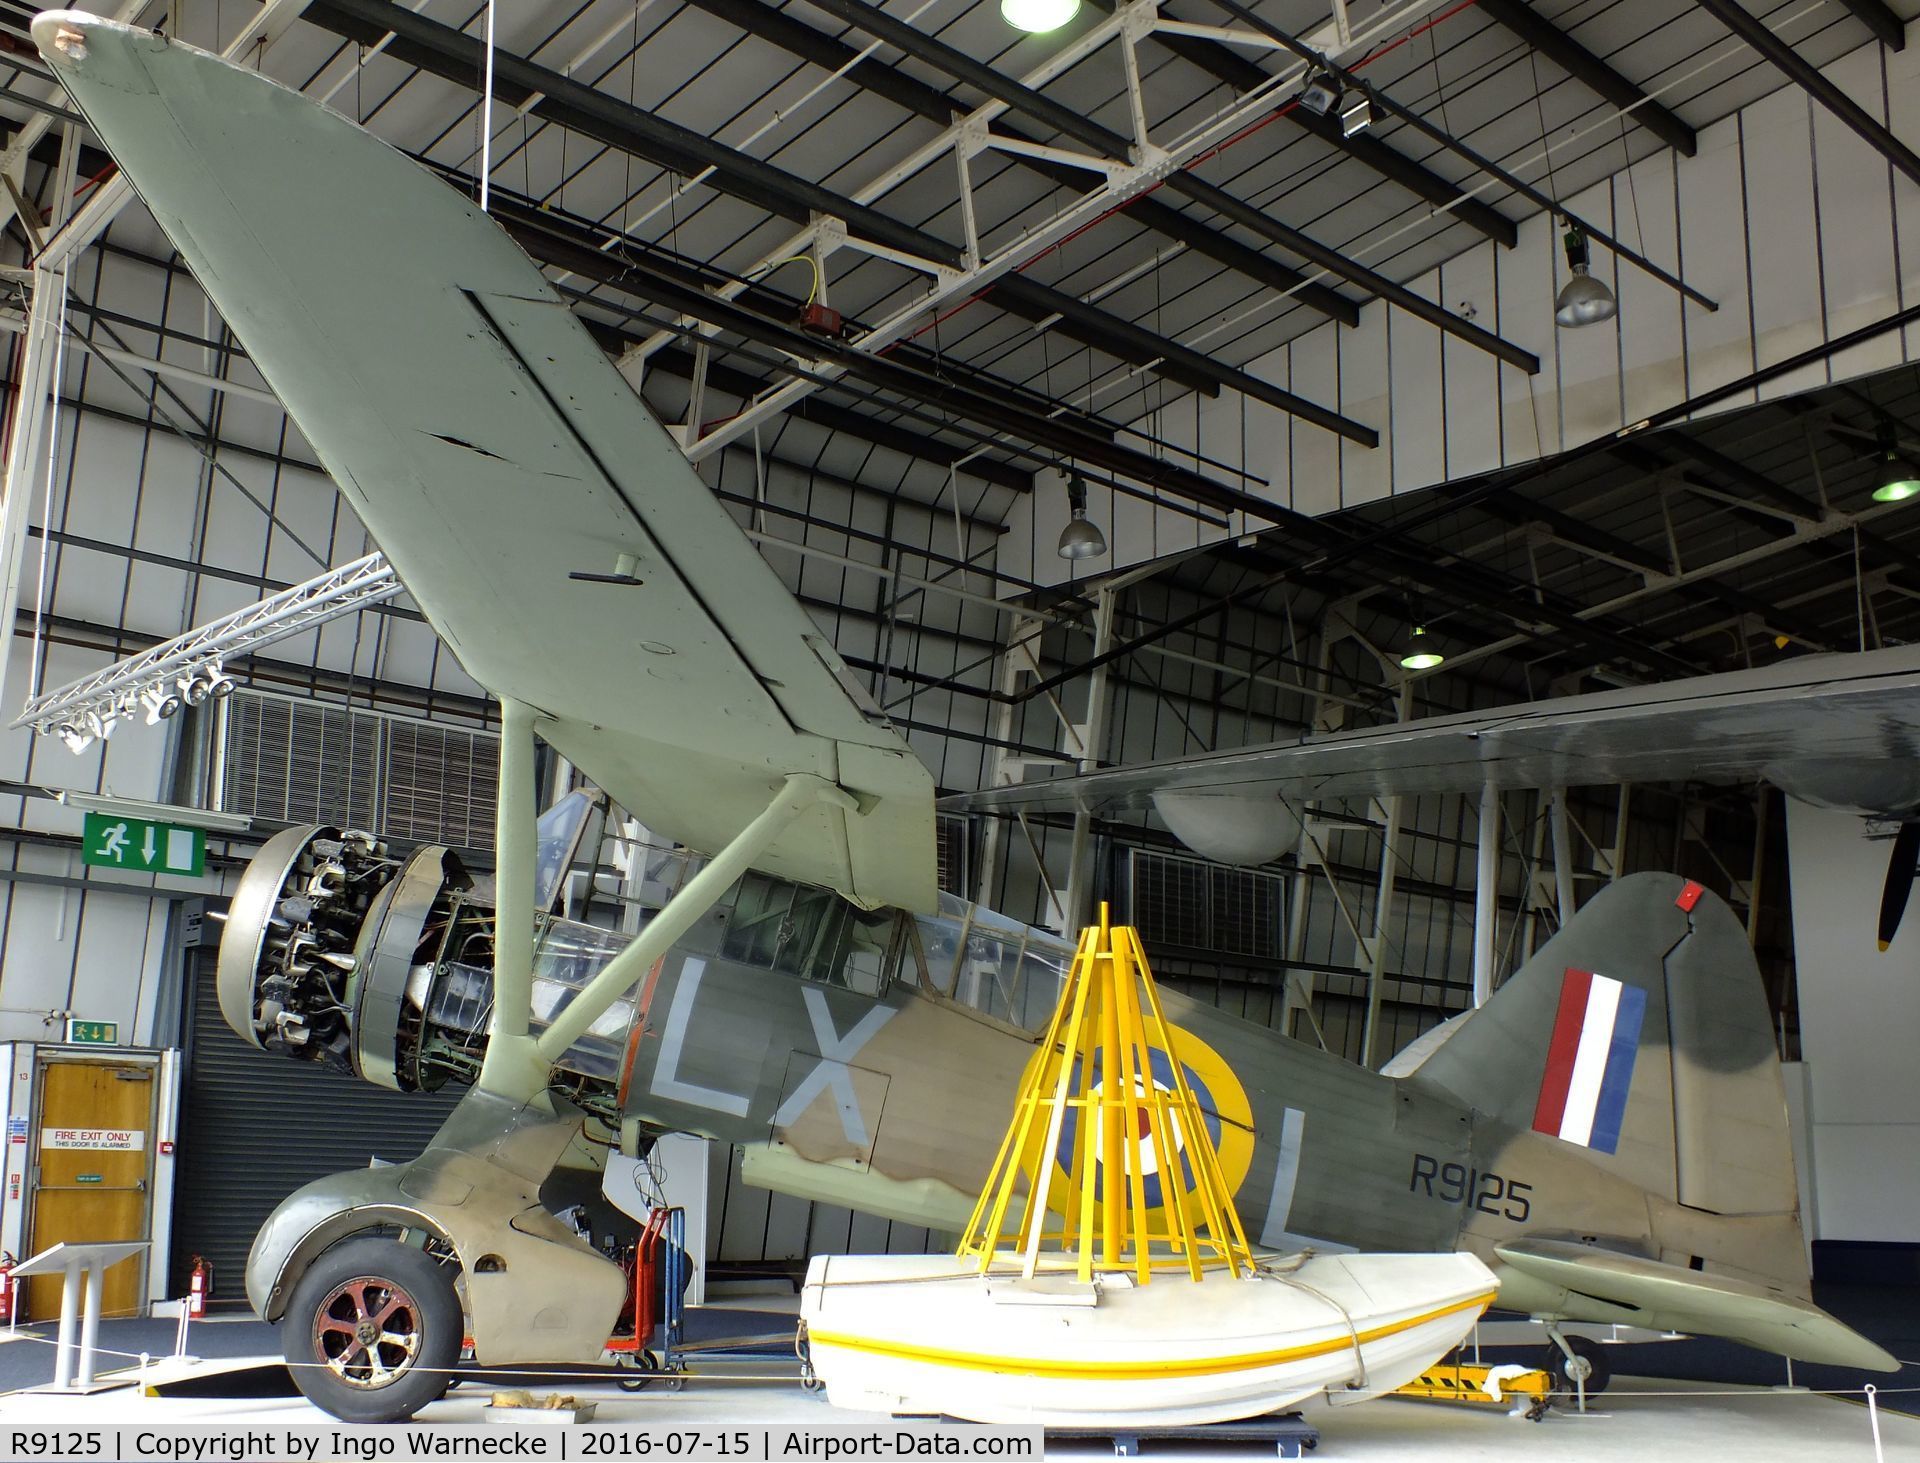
{"x": 519, "y": 1067}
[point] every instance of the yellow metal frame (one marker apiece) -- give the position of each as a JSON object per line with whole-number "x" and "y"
{"x": 1466, "y": 1383}
{"x": 1108, "y": 1018}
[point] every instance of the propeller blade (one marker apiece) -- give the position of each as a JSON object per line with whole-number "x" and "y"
{"x": 1899, "y": 885}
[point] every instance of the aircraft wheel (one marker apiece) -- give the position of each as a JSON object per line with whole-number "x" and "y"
{"x": 374, "y": 1331}
{"x": 1589, "y": 1355}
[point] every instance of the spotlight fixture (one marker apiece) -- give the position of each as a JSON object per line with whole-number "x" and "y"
{"x": 1896, "y": 479}
{"x": 1420, "y": 651}
{"x": 1583, "y": 300}
{"x": 1356, "y": 116}
{"x": 1081, "y": 538}
{"x": 1037, "y": 17}
{"x": 160, "y": 703}
{"x": 77, "y": 741}
{"x": 1321, "y": 94}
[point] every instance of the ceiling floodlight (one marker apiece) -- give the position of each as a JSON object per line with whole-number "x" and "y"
{"x": 1897, "y": 479}
{"x": 1321, "y": 94}
{"x": 1356, "y": 116}
{"x": 1583, "y": 300}
{"x": 1420, "y": 651}
{"x": 160, "y": 703}
{"x": 1081, "y": 538}
{"x": 1038, "y": 16}
{"x": 77, "y": 741}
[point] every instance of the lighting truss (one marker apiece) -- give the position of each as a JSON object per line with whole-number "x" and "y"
{"x": 189, "y": 669}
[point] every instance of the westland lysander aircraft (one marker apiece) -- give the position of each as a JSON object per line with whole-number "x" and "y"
{"x": 1608, "y": 1132}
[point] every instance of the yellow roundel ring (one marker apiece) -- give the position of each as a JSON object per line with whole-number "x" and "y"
{"x": 1220, "y": 1096}
{"x": 1234, "y": 1142}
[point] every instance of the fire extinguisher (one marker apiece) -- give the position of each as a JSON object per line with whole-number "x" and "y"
{"x": 199, "y": 1287}
{"x": 6, "y": 1285}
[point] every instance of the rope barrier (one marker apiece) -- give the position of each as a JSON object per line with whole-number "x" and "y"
{"x": 614, "y": 1372}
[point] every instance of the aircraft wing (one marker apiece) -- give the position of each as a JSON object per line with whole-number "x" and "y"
{"x": 1834, "y": 729}
{"x": 1650, "y": 1293}
{"x": 497, "y": 456}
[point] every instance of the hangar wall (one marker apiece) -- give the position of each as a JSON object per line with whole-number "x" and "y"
{"x": 99, "y": 944}
{"x": 1787, "y": 219}
{"x": 1861, "y": 1027}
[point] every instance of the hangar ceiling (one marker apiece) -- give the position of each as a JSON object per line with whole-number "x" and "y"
{"x": 1718, "y": 544}
{"x": 658, "y": 156}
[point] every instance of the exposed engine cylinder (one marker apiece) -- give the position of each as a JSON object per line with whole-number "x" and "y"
{"x": 337, "y": 952}
{"x": 301, "y": 927}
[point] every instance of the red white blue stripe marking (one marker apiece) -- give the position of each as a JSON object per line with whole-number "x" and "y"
{"x": 1596, "y": 1036}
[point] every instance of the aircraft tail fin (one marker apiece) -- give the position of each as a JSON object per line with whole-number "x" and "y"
{"x": 1639, "y": 1033}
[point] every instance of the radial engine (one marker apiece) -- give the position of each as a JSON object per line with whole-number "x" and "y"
{"x": 340, "y": 953}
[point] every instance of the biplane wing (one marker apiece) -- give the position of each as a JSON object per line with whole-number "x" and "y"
{"x": 1842, "y": 730}
{"x": 548, "y": 526}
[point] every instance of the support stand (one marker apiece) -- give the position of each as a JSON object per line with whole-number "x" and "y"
{"x": 71, "y": 1262}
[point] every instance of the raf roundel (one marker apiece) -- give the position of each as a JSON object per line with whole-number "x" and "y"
{"x": 1222, "y": 1100}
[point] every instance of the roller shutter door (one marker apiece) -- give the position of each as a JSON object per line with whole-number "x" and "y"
{"x": 254, "y": 1127}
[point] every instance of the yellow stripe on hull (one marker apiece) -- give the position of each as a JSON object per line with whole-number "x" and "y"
{"x": 1117, "y": 1371}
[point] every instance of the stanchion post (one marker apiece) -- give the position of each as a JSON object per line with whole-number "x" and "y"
{"x": 69, "y": 1304}
{"x": 1873, "y": 1419}
{"x": 90, "y": 1322}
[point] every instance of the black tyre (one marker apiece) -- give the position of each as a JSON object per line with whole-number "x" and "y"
{"x": 645, "y": 1362}
{"x": 374, "y": 1330}
{"x": 1598, "y": 1370}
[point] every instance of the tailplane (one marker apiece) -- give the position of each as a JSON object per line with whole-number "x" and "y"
{"x": 1639, "y": 1033}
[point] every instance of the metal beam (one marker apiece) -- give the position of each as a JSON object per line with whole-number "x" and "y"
{"x": 1887, "y": 27}
{"x": 452, "y": 55}
{"x": 1880, "y": 548}
{"x": 1050, "y": 309}
{"x": 650, "y": 277}
{"x": 1789, "y": 61}
{"x": 1150, "y": 159}
{"x": 997, "y": 84}
{"x": 799, "y": 39}
{"x": 1809, "y": 533}
{"x": 1588, "y": 69}
{"x": 1422, "y": 182}
{"x": 678, "y": 361}
{"x": 1226, "y": 65}
{"x": 1224, "y": 249}
{"x": 1510, "y": 507}
{"x": 1336, "y": 263}
{"x": 1486, "y": 891}
{"x": 1109, "y": 144}
{"x": 1036, "y": 301}
{"x": 1460, "y": 149}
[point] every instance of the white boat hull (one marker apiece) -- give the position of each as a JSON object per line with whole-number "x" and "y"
{"x": 927, "y": 1334}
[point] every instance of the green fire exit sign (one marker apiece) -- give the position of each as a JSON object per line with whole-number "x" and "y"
{"x": 93, "y": 1033}
{"x": 114, "y": 842}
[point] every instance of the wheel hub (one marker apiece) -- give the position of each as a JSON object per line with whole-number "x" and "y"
{"x": 367, "y": 1331}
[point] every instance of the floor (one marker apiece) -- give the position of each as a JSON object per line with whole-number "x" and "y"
{"x": 1639, "y": 1419}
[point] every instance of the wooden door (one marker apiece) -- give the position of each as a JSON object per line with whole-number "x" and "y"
{"x": 94, "y": 1146}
